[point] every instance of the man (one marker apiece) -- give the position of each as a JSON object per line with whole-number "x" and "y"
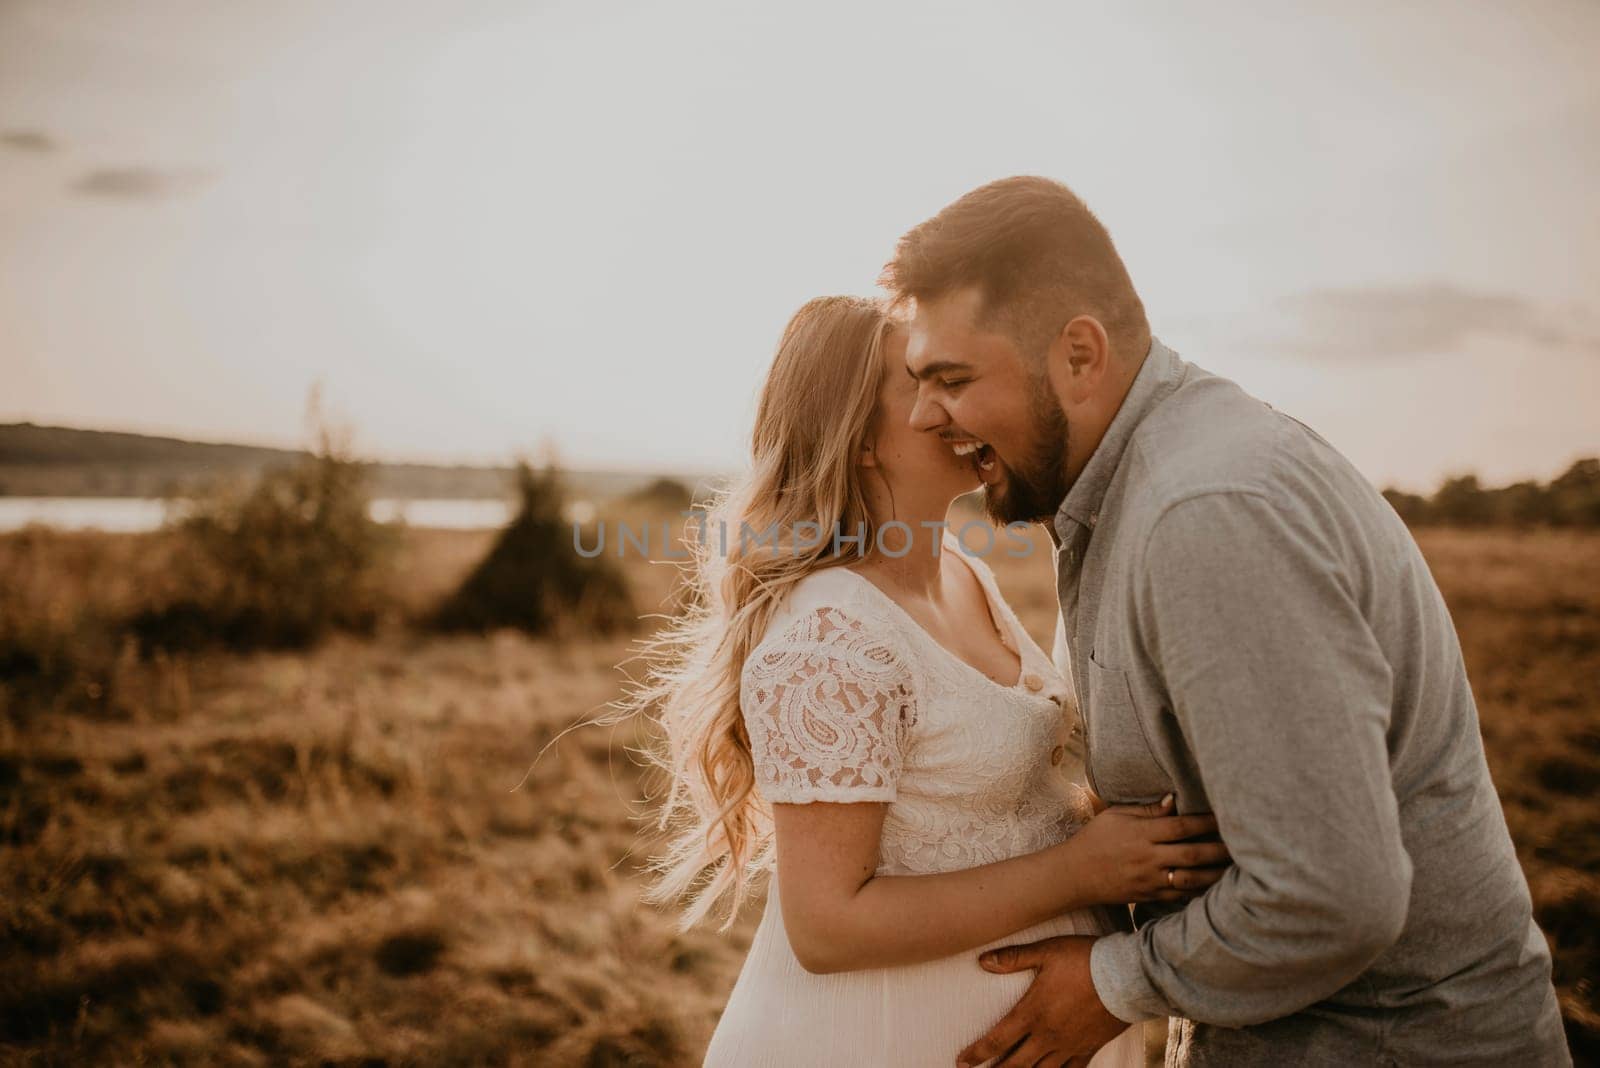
{"x": 1250, "y": 625}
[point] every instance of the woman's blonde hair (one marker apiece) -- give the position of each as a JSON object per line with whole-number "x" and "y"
{"x": 815, "y": 414}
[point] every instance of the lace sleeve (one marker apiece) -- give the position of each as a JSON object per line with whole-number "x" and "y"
{"x": 828, "y": 706}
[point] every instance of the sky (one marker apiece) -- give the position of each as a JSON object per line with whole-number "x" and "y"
{"x": 484, "y": 227}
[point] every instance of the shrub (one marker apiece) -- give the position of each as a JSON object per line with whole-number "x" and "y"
{"x": 1411, "y": 507}
{"x": 280, "y": 562}
{"x": 533, "y": 578}
{"x": 1575, "y": 496}
{"x": 666, "y": 494}
{"x": 64, "y": 597}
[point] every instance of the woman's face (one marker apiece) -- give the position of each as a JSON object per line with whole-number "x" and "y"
{"x": 922, "y": 472}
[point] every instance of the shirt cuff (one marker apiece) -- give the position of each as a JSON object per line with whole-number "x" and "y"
{"x": 1116, "y": 965}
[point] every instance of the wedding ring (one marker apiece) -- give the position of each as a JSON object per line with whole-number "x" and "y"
{"x": 1170, "y": 873}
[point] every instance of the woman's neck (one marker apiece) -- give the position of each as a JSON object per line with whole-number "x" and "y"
{"x": 912, "y": 563}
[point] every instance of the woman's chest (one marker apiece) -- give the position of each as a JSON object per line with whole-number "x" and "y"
{"x": 985, "y": 741}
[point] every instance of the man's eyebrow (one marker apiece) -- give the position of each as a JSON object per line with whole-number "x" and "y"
{"x": 938, "y": 367}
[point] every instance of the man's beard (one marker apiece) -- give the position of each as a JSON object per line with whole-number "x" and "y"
{"x": 1036, "y": 487}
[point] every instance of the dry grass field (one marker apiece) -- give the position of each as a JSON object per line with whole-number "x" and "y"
{"x": 351, "y": 856}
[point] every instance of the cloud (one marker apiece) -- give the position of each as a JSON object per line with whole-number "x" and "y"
{"x": 28, "y": 140}
{"x": 1396, "y": 322}
{"x": 136, "y": 183}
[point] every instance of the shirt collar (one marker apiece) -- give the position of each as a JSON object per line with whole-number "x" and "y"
{"x": 1157, "y": 377}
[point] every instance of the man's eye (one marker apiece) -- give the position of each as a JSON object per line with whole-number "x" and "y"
{"x": 952, "y": 383}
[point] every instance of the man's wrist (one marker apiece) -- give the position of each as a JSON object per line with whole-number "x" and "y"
{"x": 1116, "y": 969}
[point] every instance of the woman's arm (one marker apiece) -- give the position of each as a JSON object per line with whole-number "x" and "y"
{"x": 841, "y": 917}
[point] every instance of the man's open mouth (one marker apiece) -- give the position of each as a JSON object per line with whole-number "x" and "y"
{"x": 981, "y": 454}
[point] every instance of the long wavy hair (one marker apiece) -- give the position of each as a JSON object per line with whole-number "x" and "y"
{"x": 815, "y": 414}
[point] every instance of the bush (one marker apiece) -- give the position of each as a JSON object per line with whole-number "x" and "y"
{"x": 36, "y": 628}
{"x": 1411, "y": 507}
{"x": 1575, "y": 496}
{"x": 1462, "y": 501}
{"x": 666, "y": 494}
{"x": 278, "y": 563}
{"x": 65, "y": 596}
{"x": 533, "y": 578}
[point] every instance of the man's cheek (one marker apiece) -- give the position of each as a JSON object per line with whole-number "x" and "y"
{"x": 958, "y": 411}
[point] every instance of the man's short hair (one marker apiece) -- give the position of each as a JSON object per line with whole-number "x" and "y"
{"x": 1038, "y": 256}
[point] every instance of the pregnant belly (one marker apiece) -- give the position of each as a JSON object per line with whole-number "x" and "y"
{"x": 918, "y": 1014}
{"x": 957, "y": 1001}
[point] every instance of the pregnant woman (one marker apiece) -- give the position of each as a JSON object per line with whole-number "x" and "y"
{"x": 849, "y": 703}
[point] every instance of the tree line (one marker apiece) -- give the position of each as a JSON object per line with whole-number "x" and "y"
{"x": 1572, "y": 499}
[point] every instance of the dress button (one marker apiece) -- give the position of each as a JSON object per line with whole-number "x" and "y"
{"x": 1057, "y": 754}
{"x": 1033, "y": 682}
{"x": 1077, "y": 730}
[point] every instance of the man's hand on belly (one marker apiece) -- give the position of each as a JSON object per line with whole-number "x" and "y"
{"x": 1059, "y": 1020}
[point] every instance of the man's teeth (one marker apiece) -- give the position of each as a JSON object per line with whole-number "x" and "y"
{"x": 984, "y": 457}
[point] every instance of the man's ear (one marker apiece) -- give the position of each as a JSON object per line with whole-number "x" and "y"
{"x": 1077, "y": 360}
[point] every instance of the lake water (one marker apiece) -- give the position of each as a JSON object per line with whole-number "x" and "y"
{"x": 140, "y": 513}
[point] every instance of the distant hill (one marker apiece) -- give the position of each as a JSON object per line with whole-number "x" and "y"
{"x": 55, "y": 461}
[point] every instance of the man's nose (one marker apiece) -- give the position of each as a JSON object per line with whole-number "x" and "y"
{"x": 927, "y": 414}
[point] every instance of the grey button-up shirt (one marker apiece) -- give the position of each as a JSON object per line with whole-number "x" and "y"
{"x": 1248, "y": 623}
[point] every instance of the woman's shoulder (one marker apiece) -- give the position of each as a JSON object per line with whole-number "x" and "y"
{"x": 829, "y": 588}
{"x": 978, "y": 561}
{"x": 829, "y": 606}
{"x": 980, "y": 568}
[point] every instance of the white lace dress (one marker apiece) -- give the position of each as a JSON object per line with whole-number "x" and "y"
{"x": 847, "y": 698}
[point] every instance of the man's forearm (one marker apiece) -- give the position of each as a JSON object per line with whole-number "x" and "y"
{"x": 1218, "y": 963}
